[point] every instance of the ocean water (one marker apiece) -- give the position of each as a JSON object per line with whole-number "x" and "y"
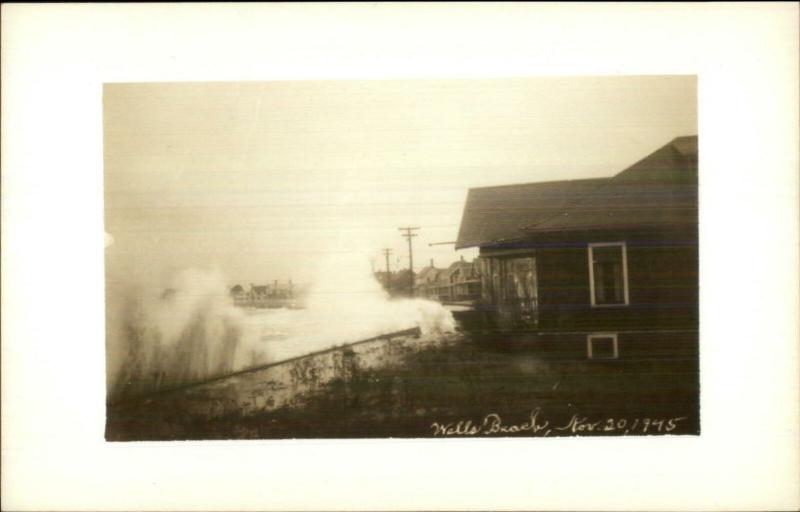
{"x": 195, "y": 333}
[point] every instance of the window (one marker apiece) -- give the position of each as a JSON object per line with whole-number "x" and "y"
{"x": 608, "y": 274}
{"x": 602, "y": 346}
{"x": 522, "y": 288}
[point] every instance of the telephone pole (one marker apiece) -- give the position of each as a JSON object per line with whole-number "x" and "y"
{"x": 408, "y": 234}
{"x": 387, "y": 252}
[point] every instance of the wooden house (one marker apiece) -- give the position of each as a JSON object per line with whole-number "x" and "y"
{"x": 459, "y": 282}
{"x": 238, "y": 294}
{"x": 258, "y": 293}
{"x": 425, "y": 282}
{"x": 597, "y": 268}
{"x": 464, "y": 280}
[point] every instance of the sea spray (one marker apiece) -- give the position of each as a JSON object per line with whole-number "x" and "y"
{"x": 185, "y": 331}
{"x": 189, "y": 330}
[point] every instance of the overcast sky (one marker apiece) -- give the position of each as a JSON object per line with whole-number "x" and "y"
{"x": 263, "y": 179}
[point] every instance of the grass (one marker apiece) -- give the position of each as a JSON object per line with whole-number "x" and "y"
{"x": 466, "y": 382}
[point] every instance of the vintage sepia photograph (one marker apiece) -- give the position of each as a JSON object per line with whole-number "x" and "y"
{"x": 402, "y": 258}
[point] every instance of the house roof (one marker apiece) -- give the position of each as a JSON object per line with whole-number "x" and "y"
{"x": 442, "y": 276}
{"x": 658, "y": 189}
{"x": 465, "y": 268}
{"x": 497, "y": 214}
{"x": 426, "y": 273}
{"x": 459, "y": 265}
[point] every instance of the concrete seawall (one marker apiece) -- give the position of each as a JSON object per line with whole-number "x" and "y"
{"x": 268, "y": 387}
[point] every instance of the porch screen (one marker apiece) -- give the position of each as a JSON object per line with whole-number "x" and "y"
{"x": 609, "y": 279}
{"x": 522, "y": 285}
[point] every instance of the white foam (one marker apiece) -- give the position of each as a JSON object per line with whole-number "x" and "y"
{"x": 196, "y": 332}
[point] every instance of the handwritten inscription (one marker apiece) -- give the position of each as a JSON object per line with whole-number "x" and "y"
{"x": 493, "y": 424}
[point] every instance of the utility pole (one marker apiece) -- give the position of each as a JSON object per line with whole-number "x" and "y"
{"x": 408, "y": 235}
{"x": 387, "y": 252}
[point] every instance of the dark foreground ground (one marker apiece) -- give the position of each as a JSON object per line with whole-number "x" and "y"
{"x": 476, "y": 387}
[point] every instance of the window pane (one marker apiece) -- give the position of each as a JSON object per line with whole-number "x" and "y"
{"x": 523, "y": 289}
{"x": 608, "y": 275}
{"x": 602, "y": 348}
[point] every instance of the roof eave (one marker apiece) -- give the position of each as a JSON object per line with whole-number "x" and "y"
{"x": 536, "y": 231}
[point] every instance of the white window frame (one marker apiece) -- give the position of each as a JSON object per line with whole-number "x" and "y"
{"x": 624, "y": 274}
{"x": 591, "y": 337}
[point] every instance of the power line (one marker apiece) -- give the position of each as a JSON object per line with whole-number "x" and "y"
{"x": 408, "y": 234}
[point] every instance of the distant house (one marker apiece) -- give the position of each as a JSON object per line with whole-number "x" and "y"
{"x": 458, "y": 282}
{"x": 281, "y": 290}
{"x": 258, "y": 293}
{"x": 426, "y": 281}
{"x": 238, "y": 294}
{"x": 464, "y": 280}
{"x": 597, "y": 268}
{"x": 442, "y": 289}
{"x": 274, "y": 295}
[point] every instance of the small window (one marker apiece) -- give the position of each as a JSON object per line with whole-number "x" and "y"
{"x": 602, "y": 346}
{"x": 608, "y": 274}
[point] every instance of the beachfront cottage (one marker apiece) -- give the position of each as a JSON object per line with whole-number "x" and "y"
{"x": 459, "y": 282}
{"x": 598, "y": 268}
{"x": 464, "y": 280}
{"x": 258, "y": 293}
{"x": 442, "y": 290}
{"x": 239, "y": 295}
{"x": 425, "y": 282}
{"x": 281, "y": 290}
